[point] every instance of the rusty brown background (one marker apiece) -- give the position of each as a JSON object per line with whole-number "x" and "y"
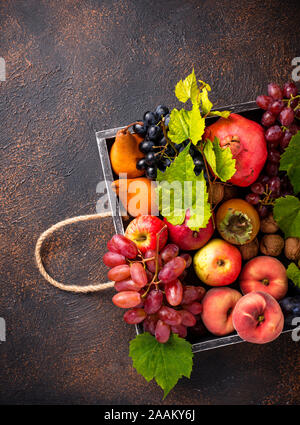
{"x": 75, "y": 67}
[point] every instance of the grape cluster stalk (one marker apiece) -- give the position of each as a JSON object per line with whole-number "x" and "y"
{"x": 150, "y": 287}
{"x": 281, "y": 121}
{"x": 158, "y": 149}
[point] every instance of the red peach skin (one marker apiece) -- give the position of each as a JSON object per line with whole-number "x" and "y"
{"x": 257, "y": 318}
{"x": 218, "y": 305}
{"x": 266, "y": 274}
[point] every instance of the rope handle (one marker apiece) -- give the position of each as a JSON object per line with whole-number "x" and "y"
{"x": 39, "y": 262}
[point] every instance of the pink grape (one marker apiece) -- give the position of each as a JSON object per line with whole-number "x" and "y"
{"x": 201, "y": 292}
{"x": 273, "y": 156}
{"x": 126, "y": 285}
{"x": 272, "y": 169}
{"x": 169, "y": 252}
{"x": 138, "y": 274}
{"x": 190, "y": 293}
{"x": 274, "y": 185}
{"x": 172, "y": 270}
{"x": 187, "y": 318}
{"x": 194, "y": 307}
{"x": 112, "y": 259}
{"x": 285, "y": 141}
{"x": 180, "y": 330}
{"x": 257, "y": 188}
{"x": 162, "y": 332}
{"x": 286, "y": 116}
{"x": 173, "y": 292}
{"x": 126, "y": 299}
{"x": 153, "y": 301}
{"x": 149, "y": 323}
{"x": 252, "y": 198}
{"x": 151, "y": 264}
{"x": 275, "y": 91}
{"x": 119, "y": 272}
{"x": 188, "y": 259}
{"x": 289, "y": 90}
{"x": 134, "y": 316}
{"x": 263, "y": 211}
{"x": 170, "y": 316}
{"x": 268, "y": 119}
{"x": 123, "y": 246}
{"x": 263, "y": 101}
{"x": 276, "y": 107}
{"x": 273, "y": 134}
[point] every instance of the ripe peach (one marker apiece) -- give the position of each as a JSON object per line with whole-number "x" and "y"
{"x": 218, "y": 263}
{"x": 257, "y": 317}
{"x": 266, "y": 274}
{"x": 218, "y": 305}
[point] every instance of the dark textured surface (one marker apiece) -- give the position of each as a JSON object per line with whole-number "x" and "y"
{"x": 74, "y": 67}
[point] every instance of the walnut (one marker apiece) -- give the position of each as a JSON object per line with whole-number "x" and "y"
{"x": 230, "y": 192}
{"x": 292, "y": 248}
{"x": 217, "y": 193}
{"x": 249, "y": 250}
{"x": 268, "y": 224}
{"x": 272, "y": 245}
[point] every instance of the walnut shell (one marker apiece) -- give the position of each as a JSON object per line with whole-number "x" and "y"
{"x": 272, "y": 245}
{"x": 292, "y": 248}
{"x": 230, "y": 192}
{"x": 268, "y": 224}
{"x": 217, "y": 193}
{"x": 249, "y": 250}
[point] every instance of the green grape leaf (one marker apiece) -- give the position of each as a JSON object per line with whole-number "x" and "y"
{"x": 287, "y": 215}
{"x": 185, "y": 125}
{"x": 179, "y": 189}
{"x": 290, "y": 163}
{"x": 220, "y": 159}
{"x": 166, "y": 363}
{"x": 206, "y": 104}
{"x": 187, "y": 89}
{"x": 293, "y": 273}
{"x": 179, "y": 125}
{"x": 223, "y": 114}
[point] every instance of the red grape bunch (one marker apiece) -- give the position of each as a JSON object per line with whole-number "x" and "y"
{"x": 281, "y": 122}
{"x": 150, "y": 287}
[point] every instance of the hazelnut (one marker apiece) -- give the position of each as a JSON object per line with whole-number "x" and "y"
{"x": 292, "y": 248}
{"x": 249, "y": 250}
{"x": 268, "y": 224}
{"x": 272, "y": 245}
{"x": 217, "y": 193}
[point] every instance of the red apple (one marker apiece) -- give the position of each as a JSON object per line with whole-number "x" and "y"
{"x": 247, "y": 142}
{"x": 218, "y": 305}
{"x": 266, "y": 274}
{"x": 143, "y": 230}
{"x": 257, "y": 317}
{"x": 218, "y": 263}
{"x": 186, "y": 238}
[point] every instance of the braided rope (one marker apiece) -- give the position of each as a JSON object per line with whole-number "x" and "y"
{"x": 39, "y": 261}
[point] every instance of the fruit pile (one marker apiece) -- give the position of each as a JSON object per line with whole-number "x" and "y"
{"x": 219, "y": 264}
{"x": 282, "y": 109}
{"x": 148, "y": 280}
